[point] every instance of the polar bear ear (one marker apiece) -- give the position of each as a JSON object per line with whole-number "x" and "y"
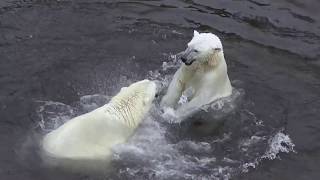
{"x": 195, "y": 33}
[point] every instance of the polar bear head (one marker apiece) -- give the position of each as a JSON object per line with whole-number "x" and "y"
{"x": 203, "y": 48}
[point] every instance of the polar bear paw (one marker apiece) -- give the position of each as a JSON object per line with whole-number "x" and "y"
{"x": 170, "y": 115}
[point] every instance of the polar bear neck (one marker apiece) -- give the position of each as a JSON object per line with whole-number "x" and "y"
{"x": 125, "y": 108}
{"x": 220, "y": 61}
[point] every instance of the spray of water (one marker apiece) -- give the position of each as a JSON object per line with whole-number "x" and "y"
{"x": 159, "y": 151}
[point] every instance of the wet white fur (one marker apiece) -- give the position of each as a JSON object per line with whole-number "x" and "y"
{"x": 91, "y": 136}
{"x": 207, "y": 76}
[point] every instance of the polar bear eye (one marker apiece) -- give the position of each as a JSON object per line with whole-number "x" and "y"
{"x": 195, "y": 50}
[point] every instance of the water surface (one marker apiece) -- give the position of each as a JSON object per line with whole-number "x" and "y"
{"x": 60, "y": 51}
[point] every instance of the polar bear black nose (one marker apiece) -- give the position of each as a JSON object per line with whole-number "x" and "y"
{"x": 183, "y": 59}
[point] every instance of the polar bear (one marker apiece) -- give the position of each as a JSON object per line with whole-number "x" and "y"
{"x": 204, "y": 71}
{"x": 88, "y": 139}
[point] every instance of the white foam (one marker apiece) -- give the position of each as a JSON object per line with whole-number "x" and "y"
{"x": 173, "y": 63}
{"x": 53, "y": 114}
{"x": 194, "y": 146}
{"x": 279, "y": 143}
{"x": 91, "y": 102}
{"x": 246, "y": 143}
{"x": 164, "y": 160}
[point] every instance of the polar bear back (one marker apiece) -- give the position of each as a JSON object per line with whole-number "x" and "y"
{"x": 87, "y": 136}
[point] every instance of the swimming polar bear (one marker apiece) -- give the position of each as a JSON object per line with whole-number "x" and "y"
{"x": 204, "y": 71}
{"x": 87, "y": 140}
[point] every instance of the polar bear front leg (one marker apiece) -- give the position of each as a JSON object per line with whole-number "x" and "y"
{"x": 189, "y": 108}
{"x": 200, "y": 98}
{"x": 174, "y": 91}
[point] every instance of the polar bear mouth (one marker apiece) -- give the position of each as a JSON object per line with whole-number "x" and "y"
{"x": 189, "y": 63}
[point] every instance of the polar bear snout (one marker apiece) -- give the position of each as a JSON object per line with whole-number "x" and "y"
{"x": 186, "y": 61}
{"x": 187, "y": 57}
{"x": 183, "y": 59}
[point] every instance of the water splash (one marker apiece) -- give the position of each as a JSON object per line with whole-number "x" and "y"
{"x": 161, "y": 149}
{"x": 279, "y": 143}
{"x": 53, "y": 114}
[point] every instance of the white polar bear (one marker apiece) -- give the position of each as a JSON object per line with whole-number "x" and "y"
{"x": 204, "y": 71}
{"x": 90, "y": 137}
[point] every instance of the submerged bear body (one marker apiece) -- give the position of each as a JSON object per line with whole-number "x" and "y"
{"x": 91, "y": 136}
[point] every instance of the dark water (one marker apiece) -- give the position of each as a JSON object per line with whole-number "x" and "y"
{"x": 59, "y": 51}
